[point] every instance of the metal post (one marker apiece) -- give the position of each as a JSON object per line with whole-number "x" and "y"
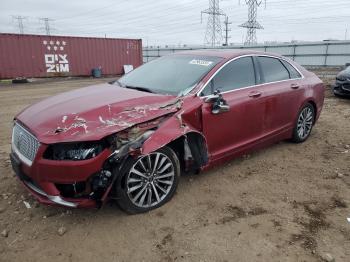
{"x": 294, "y": 51}
{"x": 326, "y": 55}
{"x": 227, "y": 23}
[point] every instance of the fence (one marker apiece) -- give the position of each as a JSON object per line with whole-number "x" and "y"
{"x": 326, "y": 53}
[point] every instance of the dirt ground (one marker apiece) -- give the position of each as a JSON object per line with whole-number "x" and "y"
{"x": 289, "y": 202}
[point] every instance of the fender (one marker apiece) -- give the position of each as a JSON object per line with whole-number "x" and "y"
{"x": 172, "y": 129}
{"x": 185, "y": 127}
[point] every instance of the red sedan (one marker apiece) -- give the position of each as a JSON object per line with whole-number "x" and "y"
{"x": 132, "y": 139}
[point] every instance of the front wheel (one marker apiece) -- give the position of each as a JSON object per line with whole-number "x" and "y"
{"x": 149, "y": 181}
{"x": 304, "y": 124}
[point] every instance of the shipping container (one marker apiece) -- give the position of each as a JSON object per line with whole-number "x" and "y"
{"x": 47, "y": 56}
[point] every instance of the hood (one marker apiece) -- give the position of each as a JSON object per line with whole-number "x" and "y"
{"x": 93, "y": 112}
{"x": 344, "y": 75}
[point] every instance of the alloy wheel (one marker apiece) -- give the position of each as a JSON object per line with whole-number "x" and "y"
{"x": 150, "y": 180}
{"x": 305, "y": 122}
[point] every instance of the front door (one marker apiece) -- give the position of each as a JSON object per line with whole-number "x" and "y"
{"x": 239, "y": 127}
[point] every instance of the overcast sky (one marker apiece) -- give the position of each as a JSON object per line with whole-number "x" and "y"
{"x": 178, "y": 22}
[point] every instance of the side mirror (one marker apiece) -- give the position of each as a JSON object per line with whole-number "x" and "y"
{"x": 214, "y": 97}
{"x": 219, "y": 105}
{"x": 211, "y": 98}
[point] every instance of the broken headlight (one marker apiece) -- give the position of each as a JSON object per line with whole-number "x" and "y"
{"x": 74, "y": 151}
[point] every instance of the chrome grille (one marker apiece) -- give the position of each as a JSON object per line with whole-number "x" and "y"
{"x": 24, "y": 144}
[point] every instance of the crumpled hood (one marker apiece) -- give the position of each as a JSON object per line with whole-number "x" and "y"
{"x": 93, "y": 112}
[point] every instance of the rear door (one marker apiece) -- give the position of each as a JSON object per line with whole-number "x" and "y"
{"x": 236, "y": 129}
{"x": 283, "y": 90}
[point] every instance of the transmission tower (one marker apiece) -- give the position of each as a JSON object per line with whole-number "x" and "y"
{"x": 213, "y": 34}
{"x": 252, "y": 25}
{"x": 47, "y": 24}
{"x": 20, "y": 25}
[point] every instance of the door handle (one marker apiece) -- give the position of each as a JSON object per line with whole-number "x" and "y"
{"x": 255, "y": 94}
{"x": 294, "y": 86}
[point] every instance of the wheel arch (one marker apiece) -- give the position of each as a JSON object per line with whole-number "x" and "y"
{"x": 307, "y": 101}
{"x": 312, "y": 102}
{"x": 191, "y": 146}
{"x": 185, "y": 140}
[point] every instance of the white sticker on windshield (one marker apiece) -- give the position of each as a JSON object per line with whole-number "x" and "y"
{"x": 200, "y": 62}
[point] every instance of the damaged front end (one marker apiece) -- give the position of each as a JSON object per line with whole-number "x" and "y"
{"x": 133, "y": 142}
{"x": 122, "y": 145}
{"x": 83, "y": 173}
{"x": 100, "y": 164}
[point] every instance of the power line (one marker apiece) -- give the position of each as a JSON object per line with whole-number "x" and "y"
{"x": 20, "y": 24}
{"x": 142, "y": 12}
{"x": 252, "y": 25}
{"x": 146, "y": 9}
{"x": 213, "y": 34}
{"x": 297, "y": 16}
{"x": 181, "y": 23}
{"x": 141, "y": 18}
{"x": 179, "y": 30}
{"x": 87, "y": 12}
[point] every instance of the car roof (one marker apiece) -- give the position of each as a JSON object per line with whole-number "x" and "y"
{"x": 224, "y": 53}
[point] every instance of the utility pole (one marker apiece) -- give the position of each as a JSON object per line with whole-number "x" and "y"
{"x": 252, "y": 25}
{"x": 47, "y": 24}
{"x": 213, "y": 34}
{"x": 227, "y": 23}
{"x": 20, "y": 23}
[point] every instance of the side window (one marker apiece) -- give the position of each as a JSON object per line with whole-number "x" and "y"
{"x": 292, "y": 71}
{"x": 272, "y": 69}
{"x": 237, "y": 74}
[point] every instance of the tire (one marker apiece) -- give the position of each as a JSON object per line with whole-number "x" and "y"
{"x": 304, "y": 124}
{"x": 141, "y": 188}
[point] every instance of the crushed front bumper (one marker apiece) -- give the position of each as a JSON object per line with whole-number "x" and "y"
{"x": 43, "y": 175}
{"x": 47, "y": 199}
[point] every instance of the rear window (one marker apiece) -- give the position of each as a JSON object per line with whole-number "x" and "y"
{"x": 292, "y": 71}
{"x": 272, "y": 69}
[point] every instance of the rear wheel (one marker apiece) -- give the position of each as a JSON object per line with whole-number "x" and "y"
{"x": 304, "y": 124}
{"x": 149, "y": 181}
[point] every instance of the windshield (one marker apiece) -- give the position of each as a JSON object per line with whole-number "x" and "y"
{"x": 173, "y": 75}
